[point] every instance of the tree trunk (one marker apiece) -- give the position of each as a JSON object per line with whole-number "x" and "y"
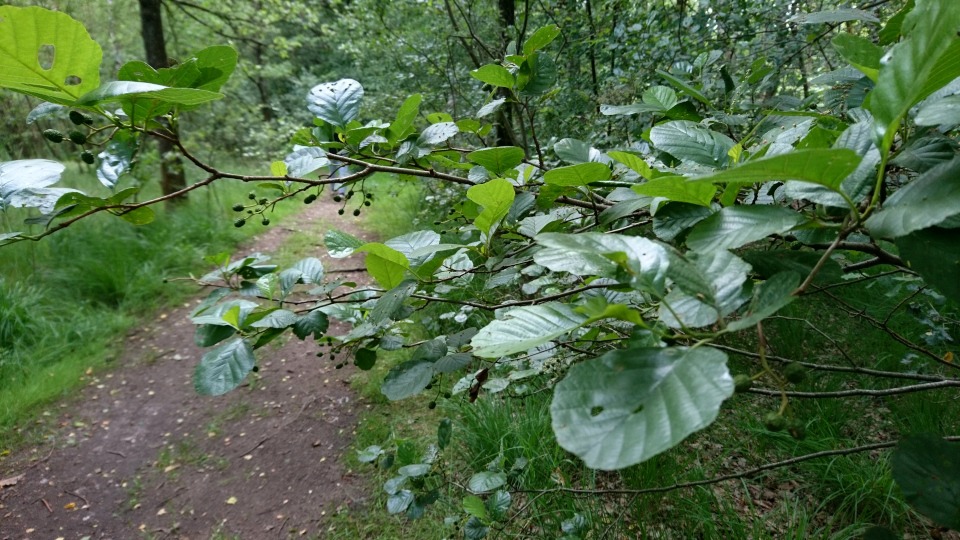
{"x": 172, "y": 177}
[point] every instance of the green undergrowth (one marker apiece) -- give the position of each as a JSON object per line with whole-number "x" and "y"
{"x": 835, "y": 497}
{"x": 66, "y": 301}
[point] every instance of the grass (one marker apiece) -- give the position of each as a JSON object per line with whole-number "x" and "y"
{"x": 65, "y": 301}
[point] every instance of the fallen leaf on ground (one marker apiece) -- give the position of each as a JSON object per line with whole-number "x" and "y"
{"x": 232, "y": 500}
{"x": 12, "y": 481}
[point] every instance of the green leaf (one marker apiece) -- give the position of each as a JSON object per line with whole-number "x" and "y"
{"x": 494, "y": 75}
{"x": 390, "y": 304}
{"x": 540, "y": 39}
{"x": 215, "y": 64}
{"x": 406, "y": 115}
{"x": 859, "y": 52}
{"x": 365, "y": 359}
{"x": 280, "y": 318}
{"x": 491, "y": 107}
{"x": 340, "y": 244}
{"x": 934, "y": 253}
{"x": 633, "y": 161}
{"x": 943, "y": 111}
{"x": 315, "y": 323}
{"x": 498, "y": 504}
{"x": 677, "y": 188}
{"x": 661, "y": 97}
{"x": 407, "y": 379}
{"x": 766, "y": 264}
{"x": 399, "y": 501}
{"x": 674, "y": 218}
{"x": 43, "y": 110}
{"x": 687, "y": 89}
{"x": 473, "y": 505}
{"x": 735, "y": 226}
{"x": 826, "y": 167}
{"x": 523, "y": 328}
{"x": 222, "y": 369}
{"x": 622, "y": 110}
{"x": 597, "y": 254}
{"x": 834, "y": 16}
{"x": 128, "y": 90}
{"x": 537, "y": 74}
{"x": 496, "y": 197}
{"x": 927, "y": 469}
{"x": 305, "y": 160}
{"x": 452, "y": 362}
{"x": 931, "y": 29}
{"x": 577, "y": 175}
{"x": 437, "y": 133}
{"x": 575, "y": 151}
{"x": 415, "y": 470}
{"x": 336, "y": 103}
{"x": 208, "y": 335}
{"x": 927, "y": 201}
{"x": 924, "y": 153}
{"x": 880, "y": 533}
{"x": 475, "y": 529}
{"x": 385, "y": 264}
{"x": 444, "y": 432}
{"x": 369, "y": 455}
{"x": 706, "y": 288}
{"x": 498, "y": 160}
{"x": 632, "y": 404}
{"x": 24, "y": 32}
{"x": 891, "y": 31}
{"x": 138, "y": 216}
{"x": 485, "y": 481}
{"x": 684, "y": 139}
{"x": 117, "y": 158}
{"x": 311, "y": 270}
{"x": 768, "y": 298}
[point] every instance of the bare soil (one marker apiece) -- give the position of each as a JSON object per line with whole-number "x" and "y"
{"x": 138, "y": 454}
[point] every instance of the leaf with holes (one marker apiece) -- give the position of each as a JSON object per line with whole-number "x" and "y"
{"x": 632, "y": 404}
{"x": 72, "y": 67}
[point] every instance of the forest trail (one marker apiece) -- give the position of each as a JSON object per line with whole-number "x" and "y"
{"x": 138, "y": 454}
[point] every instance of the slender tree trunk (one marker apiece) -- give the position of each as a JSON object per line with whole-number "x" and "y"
{"x": 505, "y": 133}
{"x": 172, "y": 177}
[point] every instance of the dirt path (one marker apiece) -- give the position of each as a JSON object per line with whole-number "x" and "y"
{"x": 139, "y": 454}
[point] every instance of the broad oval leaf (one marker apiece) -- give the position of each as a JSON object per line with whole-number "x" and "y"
{"x": 826, "y": 167}
{"x": 735, "y": 226}
{"x": 944, "y": 111}
{"x": 496, "y": 197}
{"x": 632, "y": 404}
{"x": 540, "y": 39}
{"x": 494, "y": 75}
{"x": 497, "y": 160}
{"x": 304, "y": 160}
{"x": 927, "y": 201}
{"x": 684, "y": 139}
{"x": 407, "y": 379}
{"x": 385, "y": 264}
{"x": 336, "y": 103}
{"x": 222, "y": 369}
{"x": 677, "y": 188}
{"x": 577, "y": 175}
{"x": 437, "y": 133}
{"x": 927, "y": 469}
{"x": 485, "y": 481}
{"x": 524, "y": 328}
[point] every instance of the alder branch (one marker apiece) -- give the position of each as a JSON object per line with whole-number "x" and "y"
{"x": 735, "y": 476}
{"x": 952, "y": 383}
{"x": 839, "y": 369}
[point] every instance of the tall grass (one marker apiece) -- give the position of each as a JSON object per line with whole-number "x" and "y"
{"x": 66, "y": 300}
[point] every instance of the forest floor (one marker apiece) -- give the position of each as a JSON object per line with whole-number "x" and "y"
{"x": 137, "y": 453}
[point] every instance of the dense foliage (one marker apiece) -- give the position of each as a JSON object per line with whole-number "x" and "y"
{"x": 609, "y": 272}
